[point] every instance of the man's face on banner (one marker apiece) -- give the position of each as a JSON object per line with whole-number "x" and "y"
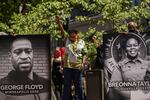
{"x": 132, "y": 47}
{"x": 22, "y": 55}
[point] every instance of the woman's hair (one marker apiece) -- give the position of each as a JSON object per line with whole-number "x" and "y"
{"x": 57, "y": 52}
{"x": 72, "y": 31}
{"x": 132, "y": 26}
{"x": 76, "y": 32}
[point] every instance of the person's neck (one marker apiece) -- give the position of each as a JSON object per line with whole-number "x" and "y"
{"x": 23, "y": 75}
{"x": 132, "y": 58}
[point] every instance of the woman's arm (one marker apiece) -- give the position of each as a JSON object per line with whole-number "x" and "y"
{"x": 60, "y": 26}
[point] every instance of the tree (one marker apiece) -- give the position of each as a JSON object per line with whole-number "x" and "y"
{"x": 41, "y": 16}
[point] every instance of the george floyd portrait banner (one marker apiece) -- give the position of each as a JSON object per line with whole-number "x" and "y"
{"x": 127, "y": 66}
{"x": 24, "y": 67}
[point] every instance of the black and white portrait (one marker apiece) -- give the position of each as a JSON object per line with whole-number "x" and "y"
{"x": 127, "y": 66}
{"x": 24, "y": 67}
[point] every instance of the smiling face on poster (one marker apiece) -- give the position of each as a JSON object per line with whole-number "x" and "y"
{"x": 126, "y": 65}
{"x": 132, "y": 48}
{"x": 24, "y": 67}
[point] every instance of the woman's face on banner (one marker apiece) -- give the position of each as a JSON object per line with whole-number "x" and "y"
{"x": 132, "y": 47}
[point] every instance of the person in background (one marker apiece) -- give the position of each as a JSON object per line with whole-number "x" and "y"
{"x": 57, "y": 72}
{"x": 62, "y": 49}
{"x": 99, "y": 63}
{"x": 95, "y": 53}
{"x": 92, "y": 53}
{"x": 132, "y": 27}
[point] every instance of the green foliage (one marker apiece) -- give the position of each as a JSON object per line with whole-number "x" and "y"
{"x": 117, "y": 13}
{"x": 91, "y": 32}
{"x": 7, "y": 8}
{"x": 40, "y": 19}
{"x": 41, "y": 16}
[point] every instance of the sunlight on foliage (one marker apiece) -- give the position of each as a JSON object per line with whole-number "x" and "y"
{"x": 41, "y": 16}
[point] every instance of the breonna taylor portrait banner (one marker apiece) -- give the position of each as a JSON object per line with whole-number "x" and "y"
{"x": 127, "y": 66}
